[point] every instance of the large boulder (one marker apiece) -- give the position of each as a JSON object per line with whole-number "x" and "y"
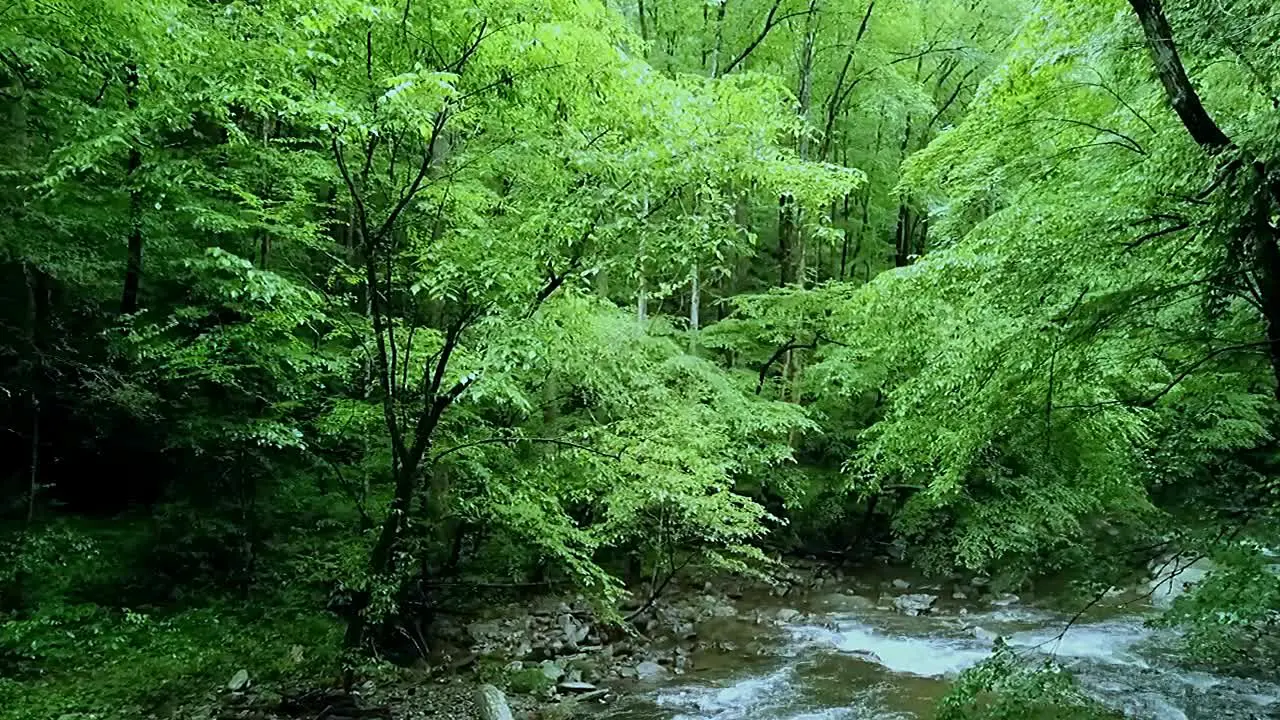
{"x": 915, "y": 603}
{"x": 492, "y": 704}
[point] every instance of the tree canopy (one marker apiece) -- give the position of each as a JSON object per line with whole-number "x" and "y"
{"x": 333, "y": 304}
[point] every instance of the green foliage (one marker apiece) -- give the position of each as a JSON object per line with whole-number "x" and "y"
{"x": 530, "y": 681}
{"x": 1231, "y": 617}
{"x": 322, "y": 303}
{"x": 1005, "y": 687}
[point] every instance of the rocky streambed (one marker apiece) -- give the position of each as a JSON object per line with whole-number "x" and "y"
{"x": 889, "y": 650}
{"x": 866, "y": 645}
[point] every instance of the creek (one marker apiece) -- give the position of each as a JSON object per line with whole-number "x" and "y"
{"x": 842, "y": 656}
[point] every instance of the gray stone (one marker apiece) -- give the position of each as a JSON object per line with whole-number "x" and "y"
{"x": 552, "y": 670}
{"x": 786, "y": 615}
{"x": 492, "y": 704}
{"x": 575, "y": 631}
{"x": 980, "y": 581}
{"x": 915, "y": 604}
{"x": 1005, "y": 600}
{"x": 984, "y": 634}
{"x": 867, "y": 655}
{"x": 572, "y": 687}
{"x": 651, "y": 672}
{"x": 239, "y": 681}
{"x": 958, "y": 595}
{"x": 901, "y": 584}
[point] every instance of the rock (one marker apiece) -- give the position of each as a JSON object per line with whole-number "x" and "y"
{"x": 980, "y": 581}
{"x": 514, "y": 666}
{"x": 901, "y": 584}
{"x": 575, "y": 631}
{"x": 711, "y": 606}
{"x": 916, "y": 604}
{"x": 842, "y": 601}
{"x": 867, "y": 655}
{"x": 593, "y": 695}
{"x": 492, "y": 704}
{"x": 1005, "y": 600}
{"x": 239, "y": 681}
{"x": 552, "y": 670}
{"x": 959, "y": 595}
{"x": 572, "y": 687}
{"x": 984, "y": 634}
{"x": 651, "y": 672}
{"x": 786, "y": 615}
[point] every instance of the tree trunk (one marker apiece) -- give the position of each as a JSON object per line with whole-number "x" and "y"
{"x": 719, "y": 41}
{"x": 695, "y": 303}
{"x": 133, "y": 261}
{"x": 903, "y": 232}
{"x": 1185, "y": 101}
{"x": 786, "y": 239}
{"x": 642, "y": 292}
{"x": 1182, "y": 94}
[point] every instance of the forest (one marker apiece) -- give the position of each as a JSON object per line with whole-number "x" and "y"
{"x": 328, "y": 327}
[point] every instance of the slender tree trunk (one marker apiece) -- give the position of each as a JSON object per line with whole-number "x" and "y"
{"x": 642, "y": 292}
{"x": 34, "y": 385}
{"x": 903, "y": 233}
{"x": 695, "y": 303}
{"x": 786, "y": 239}
{"x": 644, "y": 22}
{"x": 805, "y": 89}
{"x": 133, "y": 261}
{"x": 719, "y": 41}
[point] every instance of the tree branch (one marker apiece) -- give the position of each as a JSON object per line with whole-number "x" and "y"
{"x": 771, "y": 21}
{"x": 514, "y": 440}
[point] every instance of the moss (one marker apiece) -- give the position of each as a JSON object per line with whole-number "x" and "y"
{"x": 529, "y": 681}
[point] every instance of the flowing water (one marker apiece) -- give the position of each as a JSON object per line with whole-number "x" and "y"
{"x": 849, "y": 659}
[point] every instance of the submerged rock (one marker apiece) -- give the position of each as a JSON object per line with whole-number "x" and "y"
{"x": 901, "y": 584}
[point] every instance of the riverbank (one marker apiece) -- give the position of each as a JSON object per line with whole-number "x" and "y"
{"x": 815, "y": 642}
{"x": 556, "y": 657}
